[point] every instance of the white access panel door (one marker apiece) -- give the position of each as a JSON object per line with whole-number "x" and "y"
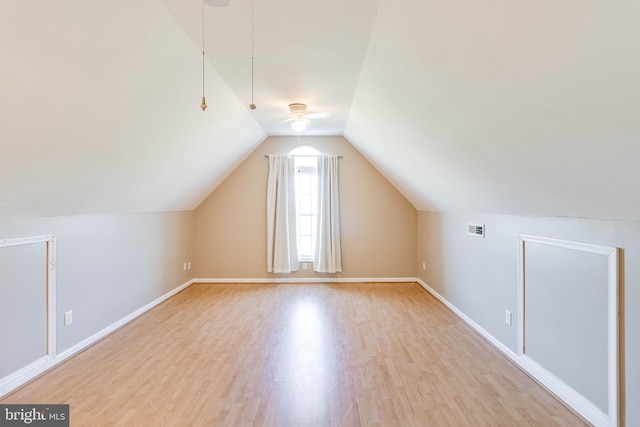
{"x": 23, "y": 306}
{"x": 568, "y": 323}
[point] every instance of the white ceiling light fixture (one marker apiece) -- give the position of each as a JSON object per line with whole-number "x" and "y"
{"x": 297, "y": 111}
{"x": 298, "y": 125}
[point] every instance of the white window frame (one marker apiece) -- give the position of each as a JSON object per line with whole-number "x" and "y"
{"x": 302, "y": 154}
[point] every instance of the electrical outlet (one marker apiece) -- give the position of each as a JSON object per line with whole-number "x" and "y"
{"x": 507, "y": 317}
{"x": 184, "y": 266}
{"x": 424, "y": 265}
{"x": 68, "y": 318}
{"x": 304, "y": 265}
{"x": 189, "y": 265}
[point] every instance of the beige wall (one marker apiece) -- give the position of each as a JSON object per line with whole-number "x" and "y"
{"x": 480, "y": 276}
{"x": 108, "y": 266}
{"x": 378, "y": 223}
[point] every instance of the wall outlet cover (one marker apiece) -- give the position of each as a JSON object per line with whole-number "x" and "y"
{"x": 68, "y": 318}
{"x": 507, "y": 317}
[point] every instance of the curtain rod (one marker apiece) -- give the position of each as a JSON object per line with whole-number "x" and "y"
{"x": 306, "y": 155}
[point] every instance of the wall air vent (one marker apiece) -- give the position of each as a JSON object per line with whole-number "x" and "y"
{"x": 476, "y": 229}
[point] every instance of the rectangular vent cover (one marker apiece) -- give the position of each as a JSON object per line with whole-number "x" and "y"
{"x": 476, "y": 229}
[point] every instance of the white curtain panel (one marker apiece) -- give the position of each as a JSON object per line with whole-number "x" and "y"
{"x": 282, "y": 250}
{"x": 328, "y": 257}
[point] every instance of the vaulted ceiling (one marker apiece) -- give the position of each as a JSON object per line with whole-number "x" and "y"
{"x": 526, "y": 107}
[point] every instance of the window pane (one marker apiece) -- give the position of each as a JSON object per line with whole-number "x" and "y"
{"x": 306, "y": 182}
{"x": 305, "y": 248}
{"x": 306, "y": 204}
{"x": 305, "y": 227}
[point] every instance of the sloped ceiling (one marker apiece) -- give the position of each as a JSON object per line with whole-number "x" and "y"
{"x": 100, "y": 112}
{"x": 526, "y": 107}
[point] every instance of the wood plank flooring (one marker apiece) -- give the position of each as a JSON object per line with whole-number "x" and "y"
{"x": 369, "y": 354}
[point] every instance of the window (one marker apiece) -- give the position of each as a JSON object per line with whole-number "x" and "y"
{"x": 306, "y": 183}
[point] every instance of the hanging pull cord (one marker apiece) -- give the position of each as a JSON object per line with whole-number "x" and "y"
{"x": 252, "y": 105}
{"x": 204, "y": 101}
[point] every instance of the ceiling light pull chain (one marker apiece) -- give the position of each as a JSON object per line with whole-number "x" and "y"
{"x": 204, "y": 102}
{"x": 252, "y": 105}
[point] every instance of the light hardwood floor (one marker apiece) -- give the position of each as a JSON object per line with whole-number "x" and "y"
{"x": 365, "y": 354}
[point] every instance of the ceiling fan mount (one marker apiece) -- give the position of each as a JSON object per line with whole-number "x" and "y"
{"x": 298, "y": 110}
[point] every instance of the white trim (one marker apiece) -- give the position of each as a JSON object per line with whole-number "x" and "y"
{"x": 50, "y": 242}
{"x": 568, "y": 244}
{"x": 17, "y": 378}
{"x": 614, "y": 331}
{"x": 554, "y": 385}
{"x": 308, "y": 280}
{"x": 51, "y": 296}
{"x": 20, "y": 377}
{"x": 590, "y": 411}
{"x": 520, "y": 314}
{"x": 25, "y": 240}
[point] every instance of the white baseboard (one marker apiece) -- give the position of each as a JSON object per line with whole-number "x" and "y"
{"x": 554, "y": 385}
{"x": 29, "y": 372}
{"x": 309, "y": 280}
{"x": 24, "y": 374}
